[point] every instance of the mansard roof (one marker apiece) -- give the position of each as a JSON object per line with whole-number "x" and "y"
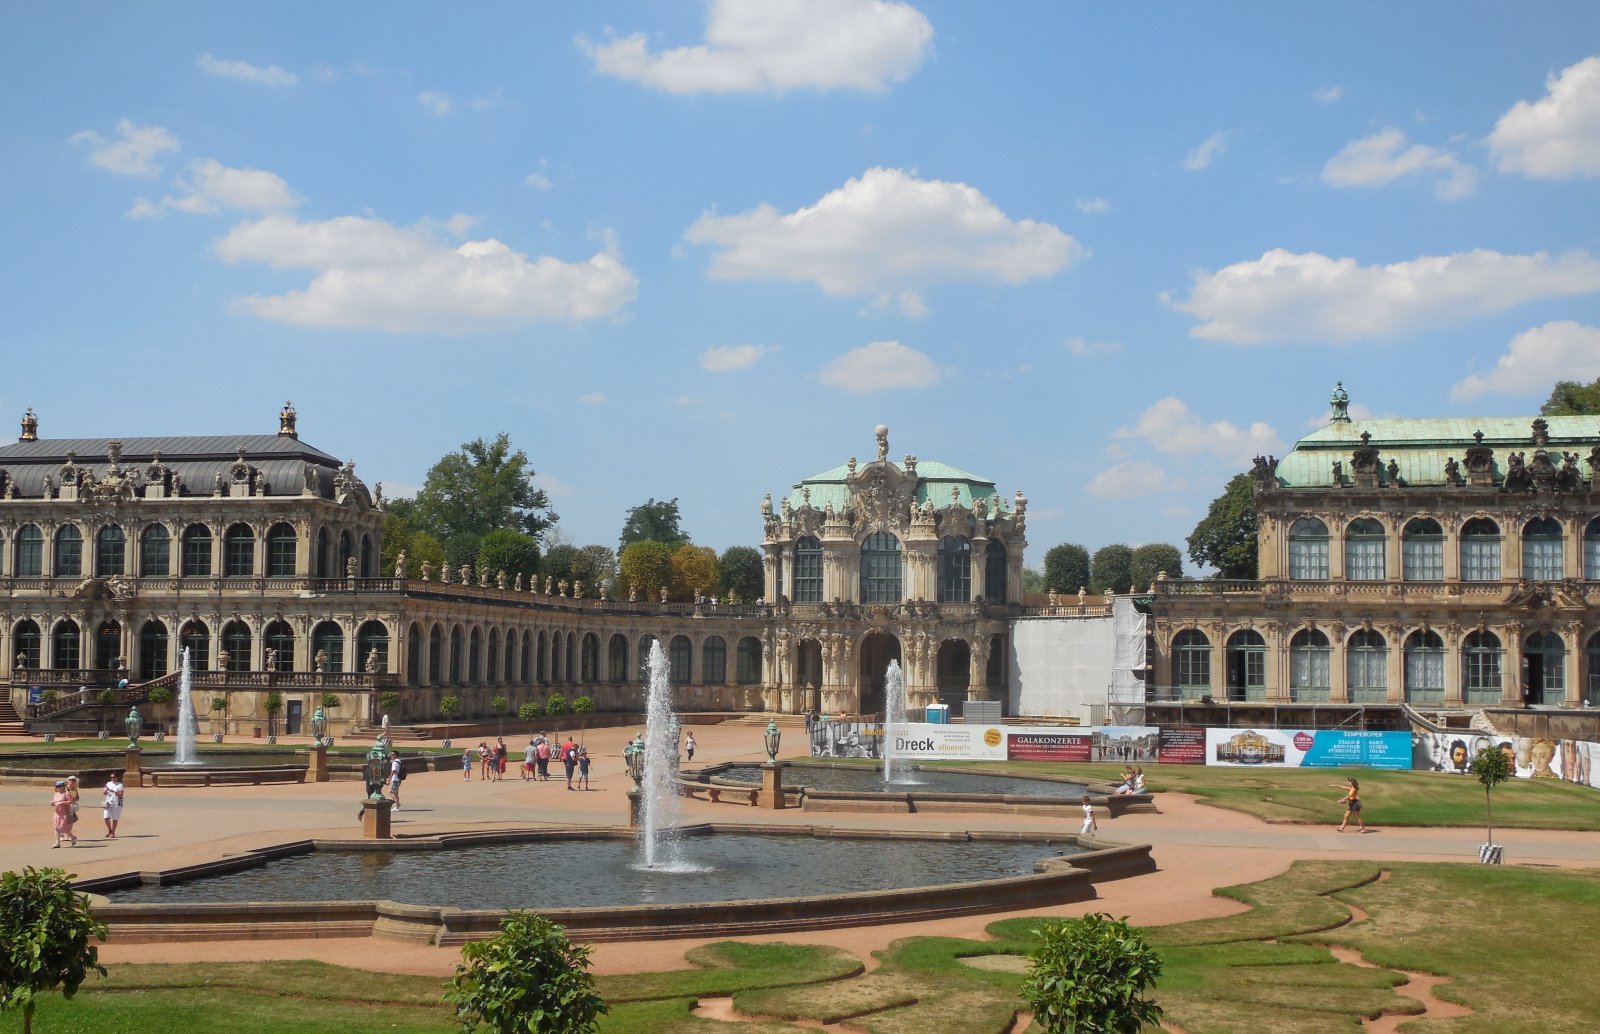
{"x": 935, "y": 480}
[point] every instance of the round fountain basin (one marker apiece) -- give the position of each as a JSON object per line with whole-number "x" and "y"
{"x": 855, "y": 779}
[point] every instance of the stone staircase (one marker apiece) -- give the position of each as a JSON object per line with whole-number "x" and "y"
{"x": 10, "y": 721}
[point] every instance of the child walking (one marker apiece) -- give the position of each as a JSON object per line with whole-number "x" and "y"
{"x": 583, "y": 768}
{"x": 1089, "y": 825}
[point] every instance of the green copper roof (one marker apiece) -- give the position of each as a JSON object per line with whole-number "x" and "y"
{"x": 935, "y": 480}
{"x": 1420, "y": 447}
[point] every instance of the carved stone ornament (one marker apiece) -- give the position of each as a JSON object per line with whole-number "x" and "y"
{"x": 239, "y": 469}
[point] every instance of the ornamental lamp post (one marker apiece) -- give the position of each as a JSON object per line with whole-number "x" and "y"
{"x": 633, "y": 755}
{"x": 376, "y": 770}
{"x": 131, "y": 723}
{"x": 772, "y": 737}
{"x": 319, "y": 724}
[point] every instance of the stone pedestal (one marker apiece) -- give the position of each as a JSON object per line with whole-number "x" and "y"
{"x": 375, "y": 819}
{"x": 772, "y": 786}
{"x": 130, "y": 765}
{"x": 317, "y": 767}
{"x": 635, "y": 809}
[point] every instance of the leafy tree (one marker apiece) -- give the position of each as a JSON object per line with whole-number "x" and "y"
{"x": 449, "y": 707}
{"x": 272, "y": 705}
{"x": 646, "y": 566}
{"x": 1091, "y": 974}
{"x": 509, "y": 551}
{"x": 530, "y": 711}
{"x": 1112, "y": 569}
{"x": 500, "y": 707}
{"x": 1572, "y": 398}
{"x": 694, "y": 567}
{"x": 595, "y": 566}
{"x": 560, "y": 561}
{"x": 401, "y": 535}
{"x": 1066, "y": 568}
{"x": 1032, "y": 581}
{"x": 45, "y": 930}
{"x": 528, "y": 980}
{"x": 743, "y": 573}
{"x": 1492, "y": 767}
{"x": 388, "y": 700}
{"x": 1153, "y": 558}
{"x": 330, "y": 701}
{"x": 1226, "y": 538}
{"x": 652, "y": 522}
{"x": 556, "y": 705}
{"x": 462, "y": 548}
{"x": 479, "y": 488}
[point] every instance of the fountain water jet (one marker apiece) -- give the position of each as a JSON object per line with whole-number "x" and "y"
{"x": 661, "y": 847}
{"x": 186, "y": 720}
{"x": 894, "y": 713}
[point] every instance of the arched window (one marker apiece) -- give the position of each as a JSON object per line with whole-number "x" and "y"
{"x": 681, "y": 654}
{"x": 511, "y": 657}
{"x": 238, "y": 551}
{"x": 1308, "y": 549}
{"x": 880, "y": 568}
{"x": 747, "y": 668}
{"x": 327, "y": 642}
{"x": 237, "y": 645}
{"x": 1541, "y": 550}
{"x": 589, "y": 666}
{"x": 541, "y": 670}
{"x": 1191, "y": 663}
{"x": 1424, "y": 668}
{"x": 527, "y": 657}
{"x": 955, "y": 569}
{"x": 346, "y": 551}
{"x": 572, "y": 657}
{"x": 196, "y": 552}
{"x": 557, "y": 642}
{"x": 1363, "y": 551}
{"x": 282, "y": 544}
{"x": 645, "y": 642}
{"x": 110, "y": 549}
{"x": 279, "y": 638}
{"x": 1591, "y": 550}
{"x": 1310, "y": 666}
{"x": 1591, "y": 693}
{"x": 324, "y": 554}
{"x": 155, "y": 552}
{"x": 1247, "y": 665}
{"x": 474, "y": 647}
{"x": 1422, "y": 550}
{"x": 369, "y": 558}
{"x": 714, "y": 661}
{"x": 455, "y": 656}
{"x": 25, "y": 641}
{"x": 1480, "y": 550}
{"x": 196, "y": 638}
{"x": 492, "y": 658}
{"x": 413, "y": 653}
{"x": 29, "y": 560}
{"x": 994, "y": 572}
{"x": 152, "y": 649}
{"x": 1481, "y": 664}
{"x": 807, "y": 587}
{"x": 1366, "y": 666}
{"x": 617, "y": 659}
{"x": 66, "y": 645}
{"x": 69, "y": 552}
{"x": 435, "y": 655}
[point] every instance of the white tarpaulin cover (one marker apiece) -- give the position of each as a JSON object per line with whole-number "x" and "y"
{"x": 1061, "y": 666}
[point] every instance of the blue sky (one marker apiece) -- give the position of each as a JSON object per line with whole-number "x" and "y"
{"x": 1103, "y": 253}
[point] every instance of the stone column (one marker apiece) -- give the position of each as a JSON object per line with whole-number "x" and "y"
{"x": 1452, "y": 634}
{"x": 1511, "y": 668}
{"x": 771, "y": 567}
{"x": 1338, "y": 663}
{"x": 1573, "y": 642}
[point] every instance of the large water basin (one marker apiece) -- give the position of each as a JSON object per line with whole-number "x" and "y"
{"x": 854, "y": 779}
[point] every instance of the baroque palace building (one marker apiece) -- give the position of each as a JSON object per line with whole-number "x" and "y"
{"x": 1437, "y": 563}
{"x": 260, "y": 554}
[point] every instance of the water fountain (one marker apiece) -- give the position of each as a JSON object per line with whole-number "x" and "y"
{"x": 894, "y": 713}
{"x": 186, "y": 719}
{"x": 659, "y": 844}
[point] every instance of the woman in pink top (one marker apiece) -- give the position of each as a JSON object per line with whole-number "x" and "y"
{"x": 61, "y": 804}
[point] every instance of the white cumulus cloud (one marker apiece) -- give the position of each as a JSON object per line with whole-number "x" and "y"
{"x": 271, "y": 75}
{"x": 1092, "y": 205}
{"x": 724, "y": 358}
{"x": 134, "y": 152}
{"x": 1289, "y": 297}
{"x": 1559, "y": 350}
{"x": 1558, "y": 136}
{"x": 370, "y": 273}
{"x": 1213, "y": 148}
{"x": 770, "y": 46}
{"x": 209, "y": 187}
{"x": 1082, "y": 346}
{"x": 1384, "y": 157}
{"x": 1327, "y": 94}
{"x": 1172, "y": 429}
{"x": 880, "y": 366}
{"x": 1128, "y": 479}
{"x": 885, "y": 233}
{"x": 437, "y": 103}
{"x": 592, "y": 398}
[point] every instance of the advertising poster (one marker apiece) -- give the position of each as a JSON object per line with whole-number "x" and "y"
{"x": 831, "y": 739}
{"x": 1125, "y": 743}
{"x": 1048, "y": 746}
{"x": 929, "y": 742}
{"x": 1308, "y": 748}
{"x": 1183, "y": 745}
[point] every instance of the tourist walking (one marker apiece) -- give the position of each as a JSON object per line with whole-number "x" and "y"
{"x": 61, "y": 809}
{"x": 499, "y": 758}
{"x": 583, "y": 768}
{"x": 688, "y": 746}
{"x": 397, "y": 775}
{"x": 569, "y": 758}
{"x": 113, "y": 805}
{"x": 542, "y": 755}
{"x": 529, "y": 753}
{"x": 466, "y": 764}
{"x": 1352, "y": 804}
{"x": 1089, "y": 825}
{"x": 485, "y": 758}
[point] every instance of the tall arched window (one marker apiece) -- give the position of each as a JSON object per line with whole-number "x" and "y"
{"x": 369, "y": 558}
{"x": 681, "y": 653}
{"x": 1308, "y": 549}
{"x": 29, "y": 559}
{"x": 1591, "y": 550}
{"x": 110, "y": 551}
{"x": 155, "y": 552}
{"x": 747, "y": 665}
{"x": 994, "y": 572}
{"x": 880, "y": 568}
{"x": 572, "y": 657}
{"x": 196, "y": 552}
{"x": 1591, "y": 692}
{"x": 807, "y": 586}
{"x": 955, "y": 569}
{"x": 527, "y": 657}
{"x": 714, "y": 661}
{"x": 455, "y": 656}
{"x": 196, "y": 638}
{"x": 1247, "y": 665}
{"x": 236, "y": 643}
{"x": 327, "y": 642}
{"x": 1481, "y": 664}
{"x": 152, "y": 649}
{"x": 69, "y": 552}
{"x": 1422, "y": 550}
{"x": 1366, "y": 667}
{"x": 1541, "y": 550}
{"x": 1363, "y": 551}
{"x": 511, "y": 656}
{"x": 238, "y": 551}
{"x": 492, "y": 667}
{"x": 1480, "y": 550}
{"x": 66, "y": 645}
{"x": 414, "y": 653}
{"x": 541, "y": 670}
{"x": 279, "y": 637}
{"x": 617, "y": 658}
{"x": 589, "y": 664}
{"x": 1310, "y": 665}
{"x": 1544, "y": 659}
{"x": 1424, "y": 668}
{"x": 346, "y": 551}
{"x": 474, "y": 647}
{"x": 645, "y": 642}
{"x": 1191, "y": 663}
{"x": 282, "y": 544}
{"x": 25, "y": 641}
{"x": 435, "y": 655}
{"x": 324, "y": 554}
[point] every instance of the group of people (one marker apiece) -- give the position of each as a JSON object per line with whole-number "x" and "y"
{"x": 1132, "y": 780}
{"x": 64, "y": 808}
{"x": 574, "y": 758}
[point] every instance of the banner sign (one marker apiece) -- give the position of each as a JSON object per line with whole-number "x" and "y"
{"x": 1125, "y": 743}
{"x": 1049, "y": 746}
{"x": 928, "y": 742}
{"x": 1183, "y": 745}
{"x": 1574, "y": 761}
{"x": 1308, "y": 748}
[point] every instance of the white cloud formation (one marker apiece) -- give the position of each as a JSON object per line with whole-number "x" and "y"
{"x": 133, "y": 152}
{"x": 884, "y": 233}
{"x": 592, "y": 398}
{"x": 724, "y": 358}
{"x": 1384, "y": 157}
{"x": 369, "y": 273}
{"x": 1327, "y": 94}
{"x": 271, "y": 75}
{"x": 1201, "y": 157}
{"x": 437, "y": 103}
{"x": 1558, "y": 136}
{"x": 211, "y": 186}
{"x": 537, "y": 179}
{"x": 881, "y": 366}
{"x": 1172, "y": 429}
{"x": 1092, "y": 205}
{"x": 1284, "y": 297}
{"x": 1560, "y": 349}
{"x": 556, "y": 487}
{"x": 1127, "y": 480}
{"x": 1080, "y": 346}
{"x": 770, "y": 46}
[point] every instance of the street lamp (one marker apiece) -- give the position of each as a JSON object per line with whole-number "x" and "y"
{"x": 376, "y": 770}
{"x": 633, "y": 755}
{"x": 132, "y": 725}
{"x": 772, "y": 738}
{"x": 319, "y": 724}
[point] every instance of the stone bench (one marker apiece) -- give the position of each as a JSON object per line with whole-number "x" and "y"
{"x": 220, "y": 776}
{"x": 708, "y": 791}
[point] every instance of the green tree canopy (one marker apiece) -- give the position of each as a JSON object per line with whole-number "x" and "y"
{"x": 531, "y": 978}
{"x": 509, "y": 551}
{"x": 1091, "y": 974}
{"x": 482, "y": 487}
{"x": 1032, "y": 581}
{"x": 594, "y": 566}
{"x": 401, "y": 535}
{"x": 1572, "y": 398}
{"x": 1226, "y": 538}
{"x": 1154, "y": 557}
{"x": 653, "y": 521}
{"x": 1066, "y": 568}
{"x": 742, "y": 572}
{"x": 1111, "y": 569}
{"x": 45, "y": 929}
{"x": 645, "y": 566}
{"x": 694, "y": 568}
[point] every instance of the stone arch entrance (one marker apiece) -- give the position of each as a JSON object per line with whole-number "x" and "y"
{"x": 1544, "y": 675}
{"x": 877, "y": 650}
{"x": 108, "y": 645}
{"x": 808, "y": 664}
{"x": 954, "y": 672}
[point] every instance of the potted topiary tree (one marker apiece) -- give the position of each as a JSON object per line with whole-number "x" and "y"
{"x": 106, "y": 698}
{"x": 219, "y": 717}
{"x": 46, "y": 927}
{"x": 1091, "y": 974}
{"x": 330, "y": 703}
{"x": 389, "y": 701}
{"x": 1492, "y": 767}
{"x": 272, "y": 705}
{"x": 449, "y": 707}
{"x": 47, "y": 700}
{"x": 556, "y": 705}
{"x": 582, "y": 707}
{"x": 530, "y": 712}
{"x": 500, "y": 707}
{"x": 529, "y": 978}
{"x": 160, "y": 697}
